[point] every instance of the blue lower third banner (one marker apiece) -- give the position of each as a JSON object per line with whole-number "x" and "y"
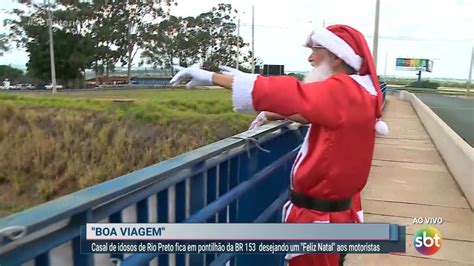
{"x": 243, "y": 238}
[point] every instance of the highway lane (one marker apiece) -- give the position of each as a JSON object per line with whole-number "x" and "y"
{"x": 457, "y": 112}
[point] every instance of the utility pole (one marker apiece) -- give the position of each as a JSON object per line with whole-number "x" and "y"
{"x": 376, "y": 31}
{"x": 51, "y": 49}
{"x": 238, "y": 45}
{"x": 470, "y": 71}
{"x": 253, "y": 40}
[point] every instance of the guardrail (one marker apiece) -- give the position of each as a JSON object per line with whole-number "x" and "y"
{"x": 243, "y": 178}
{"x": 440, "y": 90}
{"x": 457, "y": 153}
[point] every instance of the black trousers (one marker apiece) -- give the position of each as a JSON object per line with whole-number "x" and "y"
{"x": 342, "y": 258}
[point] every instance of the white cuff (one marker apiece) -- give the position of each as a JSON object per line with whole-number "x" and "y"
{"x": 360, "y": 214}
{"x": 242, "y": 88}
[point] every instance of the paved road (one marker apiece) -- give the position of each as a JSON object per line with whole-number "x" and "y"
{"x": 457, "y": 112}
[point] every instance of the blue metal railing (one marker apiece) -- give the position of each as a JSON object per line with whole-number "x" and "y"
{"x": 233, "y": 180}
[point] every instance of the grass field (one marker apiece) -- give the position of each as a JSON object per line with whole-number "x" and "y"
{"x": 54, "y": 145}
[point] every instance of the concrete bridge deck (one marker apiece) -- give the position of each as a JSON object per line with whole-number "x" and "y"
{"x": 410, "y": 179}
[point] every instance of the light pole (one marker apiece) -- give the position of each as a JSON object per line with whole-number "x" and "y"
{"x": 51, "y": 49}
{"x": 238, "y": 45}
{"x": 253, "y": 40}
{"x": 470, "y": 71}
{"x": 376, "y": 31}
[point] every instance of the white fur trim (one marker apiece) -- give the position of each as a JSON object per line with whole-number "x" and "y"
{"x": 360, "y": 214}
{"x": 381, "y": 127}
{"x": 242, "y": 87}
{"x": 337, "y": 46}
{"x": 294, "y": 255}
{"x": 302, "y": 154}
{"x": 284, "y": 210}
{"x": 366, "y": 83}
{"x": 288, "y": 211}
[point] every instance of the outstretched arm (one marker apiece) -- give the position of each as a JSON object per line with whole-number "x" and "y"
{"x": 296, "y": 118}
{"x": 317, "y": 102}
{"x": 226, "y": 82}
{"x": 223, "y": 80}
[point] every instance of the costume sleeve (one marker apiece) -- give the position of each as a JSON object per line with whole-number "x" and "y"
{"x": 318, "y": 102}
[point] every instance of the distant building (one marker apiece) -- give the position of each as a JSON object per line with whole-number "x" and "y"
{"x": 150, "y": 81}
{"x": 108, "y": 80}
{"x": 270, "y": 70}
{"x": 135, "y": 80}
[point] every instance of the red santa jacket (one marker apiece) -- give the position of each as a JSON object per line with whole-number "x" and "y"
{"x": 336, "y": 155}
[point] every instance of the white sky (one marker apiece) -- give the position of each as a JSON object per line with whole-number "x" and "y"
{"x": 442, "y": 30}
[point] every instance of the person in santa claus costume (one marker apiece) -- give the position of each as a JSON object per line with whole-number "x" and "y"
{"x": 343, "y": 108}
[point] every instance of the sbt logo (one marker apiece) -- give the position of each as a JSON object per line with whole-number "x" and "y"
{"x": 427, "y": 240}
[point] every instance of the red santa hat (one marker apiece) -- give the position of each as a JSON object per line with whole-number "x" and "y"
{"x": 350, "y": 45}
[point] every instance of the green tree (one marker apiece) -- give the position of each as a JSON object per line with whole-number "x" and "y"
{"x": 9, "y": 73}
{"x": 173, "y": 41}
{"x": 95, "y": 21}
{"x": 108, "y": 31}
{"x": 104, "y": 35}
{"x": 208, "y": 38}
{"x": 72, "y": 56}
{"x": 72, "y": 51}
{"x": 3, "y": 44}
{"x": 135, "y": 20}
{"x": 222, "y": 42}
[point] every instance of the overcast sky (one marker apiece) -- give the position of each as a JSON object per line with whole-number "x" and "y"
{"x": 441, "y": 30}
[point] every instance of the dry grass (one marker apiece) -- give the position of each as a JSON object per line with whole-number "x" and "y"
{"x": 51, "y": 146}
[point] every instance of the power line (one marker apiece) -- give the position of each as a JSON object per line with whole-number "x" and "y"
{"x": 385, "y": 37}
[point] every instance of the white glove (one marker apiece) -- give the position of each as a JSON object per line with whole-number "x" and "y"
{"x": 230, "y": 71}
{"x": 293, "y": 126}
{"x": 258, "y": 121}
{"x": 199, "y": 77}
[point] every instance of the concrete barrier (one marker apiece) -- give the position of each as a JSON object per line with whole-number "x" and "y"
{"x": 458, "y": 154}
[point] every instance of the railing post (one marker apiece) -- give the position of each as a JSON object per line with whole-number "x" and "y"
{"x": 180, "y": 201}
{"x": 162, "y": 212}
{"x": 116, "y": 218}
{"x": 234, "y": 173}
{"x": 198, "y": 189}
{"x": 78, "y": 258}
{"x": 42, "y": 260}
{"x": 223, "y": 183}
{"x": 211, "y": 195}
{"x": 142, "y": 211}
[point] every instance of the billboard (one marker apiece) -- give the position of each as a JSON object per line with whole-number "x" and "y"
{"x": 414, "y": 64}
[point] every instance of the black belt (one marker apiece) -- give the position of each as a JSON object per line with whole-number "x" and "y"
{"x": 303, "y": 201}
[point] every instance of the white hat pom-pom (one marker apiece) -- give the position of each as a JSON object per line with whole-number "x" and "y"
{"x": 381, "y": 127}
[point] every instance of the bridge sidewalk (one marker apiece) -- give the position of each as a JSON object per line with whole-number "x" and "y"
{"x": 410, "y": 179}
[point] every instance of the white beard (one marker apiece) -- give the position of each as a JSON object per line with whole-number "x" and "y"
{"x": 319, "y": 73}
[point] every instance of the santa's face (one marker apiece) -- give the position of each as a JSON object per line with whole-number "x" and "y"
{"x": 320, "y": 61}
